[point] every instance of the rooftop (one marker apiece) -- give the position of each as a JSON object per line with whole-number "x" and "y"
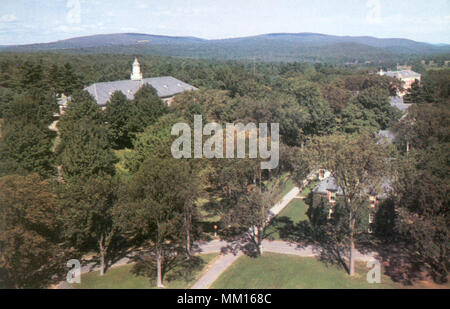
{"x": 398, "y": 103}
{"x": 386, "y": 134}
{"x": 328, "y": 184}
{"x": 403, "y": 74}
{"x": 166, "y": 86}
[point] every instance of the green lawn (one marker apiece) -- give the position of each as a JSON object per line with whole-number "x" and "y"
{"x": 277, "y": 271}
{"x": 286, "y": 185}
{"x": 210, "y": 218}
{"x": 121, "y": 277}
{"x": 295, "y": 211}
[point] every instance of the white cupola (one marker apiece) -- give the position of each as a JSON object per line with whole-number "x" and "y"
{"x": 137, "y": 74}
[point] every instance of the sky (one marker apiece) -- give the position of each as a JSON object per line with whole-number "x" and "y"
{"x": 38, "y": 21}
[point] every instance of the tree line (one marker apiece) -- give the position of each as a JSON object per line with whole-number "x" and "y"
{"x": 121, "y": 189}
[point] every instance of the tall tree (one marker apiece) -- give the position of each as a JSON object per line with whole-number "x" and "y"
{"x": 26, "y": 144}
{"x": 70, "y": 81}
{"x": 252, "y": 213}
{"x": 147, "y": 107}
{"x": 322, "y": 120}
{"x": 424, "y": 126}
{"x": 87, "y": 152}
{"x": 422, "y": 199}
{"x": 81, "y": 106}
{"x": 357, "y": 119}
{"x": 357, "y": 163}
{"x": 85, "y": 148}
{"x": 156, "y": 141}
{"x": 88, "y": 212}
{"x": 376, "y": 100}
{"x": 25, "y": 150}
{"x": 419, "y": 94}
{"x": 31, "y": 246}
{"x": 154, "y": 206}
{"x": 117, "y": 115}
{"x": 32, "y": 76}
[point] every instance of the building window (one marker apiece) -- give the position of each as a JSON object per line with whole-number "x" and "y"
{"x": 321, "y": 174}
{"x": 372, "y": 202}
{"x": 332, "y": 197}
{"x": 330, "y": 213}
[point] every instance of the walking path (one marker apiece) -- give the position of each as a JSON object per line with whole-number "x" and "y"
{"x": 281, "y": 247}
{"x": 216, "y": 270}
{"x": 226, "y": 260}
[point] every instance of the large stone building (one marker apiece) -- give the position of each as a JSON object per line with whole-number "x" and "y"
{"x": 408, "y": 77}
{"x": 166, "y": 87}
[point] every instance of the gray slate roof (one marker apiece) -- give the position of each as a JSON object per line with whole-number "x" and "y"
{"x": 403, "y": 74}
{"x": 386, "y": 134}
{"x": 328, "y": 184}
{"x": 166, "y": 86}
{"x": 397, "y": 102}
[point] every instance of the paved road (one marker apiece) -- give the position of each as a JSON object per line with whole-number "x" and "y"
{"x": 280, "y": 247}
{"x": 216, "y": 270}
{"x": 227, "y": 259}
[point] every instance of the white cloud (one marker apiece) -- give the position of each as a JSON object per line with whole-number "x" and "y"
{"x": 374, "y": 14}
{"x": 8, "y": 18}
{"x": 74, "y": 14}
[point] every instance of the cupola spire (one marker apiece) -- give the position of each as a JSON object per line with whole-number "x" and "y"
{"x": 137, "y": 74}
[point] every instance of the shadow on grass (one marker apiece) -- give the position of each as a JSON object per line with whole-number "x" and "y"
{"x": 174, "y": 267}
{"x": 120, "y": 250}
{"x": 303, "y": 234}
{"x": 399, "y": 260}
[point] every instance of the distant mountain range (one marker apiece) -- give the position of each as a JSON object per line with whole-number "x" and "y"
{"x": 267, "y": 47}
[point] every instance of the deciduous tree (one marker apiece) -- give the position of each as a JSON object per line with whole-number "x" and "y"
{"x": 357, "y": 163}
{"x": 32, "y": 250}
{"x": 154, "y": 207}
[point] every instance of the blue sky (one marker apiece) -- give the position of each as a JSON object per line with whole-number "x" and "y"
{"x": 31, "y": 21}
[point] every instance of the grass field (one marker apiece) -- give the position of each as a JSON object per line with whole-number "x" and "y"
{"x": 121, "y": 277}
{"x": 277, "y": 271}
{"x": 295, "y": 212}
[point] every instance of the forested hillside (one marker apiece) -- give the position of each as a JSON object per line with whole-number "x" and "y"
{"x": 284, "y": 47}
